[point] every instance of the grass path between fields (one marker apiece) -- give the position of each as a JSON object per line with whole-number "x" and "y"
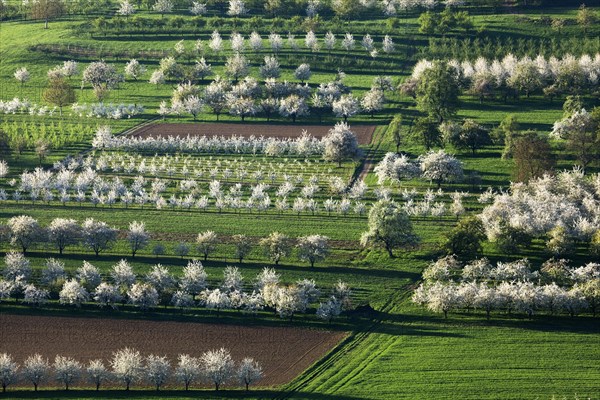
{"x": 371, "y": 155}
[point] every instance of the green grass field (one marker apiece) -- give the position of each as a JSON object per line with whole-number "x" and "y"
{"x": 411, "y": 354}
{"x": 399, "y": 352}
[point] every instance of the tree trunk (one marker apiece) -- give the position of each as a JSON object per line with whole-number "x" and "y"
{"x": 389, "y": 250}
{"x": 97, "y": 386}
{"x": 35, "y": 387}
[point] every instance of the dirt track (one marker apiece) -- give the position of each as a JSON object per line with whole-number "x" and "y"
{"x": 364, "y": 133}
{"x": 284, "y": 352}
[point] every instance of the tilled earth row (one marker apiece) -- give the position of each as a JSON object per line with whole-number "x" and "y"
{"x": 284, "y": 352}
{"x": 364, "y": 133}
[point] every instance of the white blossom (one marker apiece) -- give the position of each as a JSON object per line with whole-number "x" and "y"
{"x": 163, "y": 6}
{"x": 16, "y": 266}
{"x": 35, "y": 369}
{"x": 156, "y": 370}
{"x": 73, "y": 293}
{"x": 127, "y": 366}
{"x": 329, "y": 41}
{"x": 143, "y": 296}
{"x": 198, "y": 8}
{"x": 107, "y": 295}
{"x": 237, "y": 42}
{"x": 193, "y": 279}
{"x": 276, "y": 42}
{"x": 216, "y": 42}
{"x": 67, "y": 370}
{"x": 97, "y": 235}
{"x": 157, "y": 77}
{"x": 440, "y": 167}
{"x": 249, "y": 372}
{"x": 311, "y": 42}
{"x": 22, "y": 75}
{"x": 346, "y": 106}
{"x": 237, "y": 8}
{"x": 388, "y": 45}
{"x": 126, "y": 8}
{"x": 188, "y": 370}
{"x": 217, "y": 366}
{"x": 348, "y": 42}
{"x": 303, "y": 73}
{"x": 97, "y": 373}
{"x": 8, "y": 371}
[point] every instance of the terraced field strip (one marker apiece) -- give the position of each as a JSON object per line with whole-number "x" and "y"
{"x": 367, "y": 164}
{"x": 345, "y": 362}
{"x": 284, "y": 352}
{"x": 364, "y": 133}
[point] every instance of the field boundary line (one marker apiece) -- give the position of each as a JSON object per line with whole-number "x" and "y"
{"x": 124, "y": 133}
{"x": 363, "y": 170}
{"x": 142, "y": 125}
{"x": 371, "y": 355}
{"x": 342, "y": 349}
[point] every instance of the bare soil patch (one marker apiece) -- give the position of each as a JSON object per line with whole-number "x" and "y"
{"x": 284, "y": 352}
{"x": 364, "y": 133}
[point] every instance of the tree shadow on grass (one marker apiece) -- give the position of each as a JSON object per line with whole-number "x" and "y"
{"x": 416, "y": 330}
{"x": 427, "y": 324}
{"x": 363, "y": 272}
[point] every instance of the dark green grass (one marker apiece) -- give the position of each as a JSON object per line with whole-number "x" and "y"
{"x": 414, "y": 355}
{"x": 370, "y": 284}
{"x": 404, "y": 352}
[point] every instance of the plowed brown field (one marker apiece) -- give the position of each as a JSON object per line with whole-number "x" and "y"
{"x": 364, "y": 133}
{"x": 284, "y": 352}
